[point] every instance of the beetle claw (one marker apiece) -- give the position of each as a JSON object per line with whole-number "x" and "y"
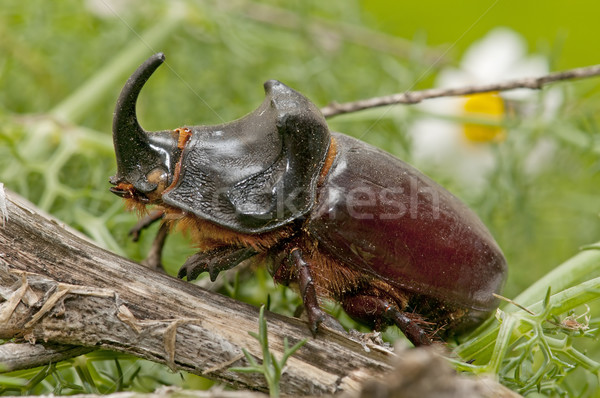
{"x": 214, "y": 261}
{"x": 194, "y": 266}
{"x": 228, "y": 259}
{"x": 316, "y": 316}
{"x": 332, "y": 323}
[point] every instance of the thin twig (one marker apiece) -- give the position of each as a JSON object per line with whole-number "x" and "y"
{"x": 414, "y": 97}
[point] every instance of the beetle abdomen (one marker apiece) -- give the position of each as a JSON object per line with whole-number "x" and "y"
{"x": 384, "y": 217}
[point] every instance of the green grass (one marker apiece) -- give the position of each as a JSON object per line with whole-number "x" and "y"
{"x": 270, "y": 367}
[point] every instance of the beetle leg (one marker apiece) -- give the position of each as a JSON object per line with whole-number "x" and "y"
{"x": 373, "y": 309}
{"x": 307, "y": 290}
{"x": 330, "y": 321}
{"x": 214, "y": 261}
{"x": 409, "y": 327}
{"x": 144, "y": 223}
{"x": 154, "y": 257}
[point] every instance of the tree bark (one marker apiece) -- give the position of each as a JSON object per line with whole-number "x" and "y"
{"x": 57, "y": 287}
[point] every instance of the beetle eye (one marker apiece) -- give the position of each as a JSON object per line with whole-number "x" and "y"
{"x": 159, "y": 177}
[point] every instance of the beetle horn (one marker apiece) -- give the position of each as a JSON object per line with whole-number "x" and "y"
{"x": 139, "y": 152}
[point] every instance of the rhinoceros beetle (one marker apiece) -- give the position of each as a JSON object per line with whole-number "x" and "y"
{"x": 331, "y": 215}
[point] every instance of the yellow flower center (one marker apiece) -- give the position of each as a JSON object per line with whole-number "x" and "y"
{"x": 489, "y": 108}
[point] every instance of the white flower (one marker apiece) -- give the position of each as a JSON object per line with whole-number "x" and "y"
{"x": 465, "y": 151}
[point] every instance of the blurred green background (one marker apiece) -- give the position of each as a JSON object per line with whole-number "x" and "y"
{"x": 62, "y": 65}
{"x": 568, "y": 30}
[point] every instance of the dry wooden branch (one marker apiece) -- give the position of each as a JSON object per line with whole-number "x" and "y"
{"x": 414, "y": 97}
{"x": 59, "y": 288}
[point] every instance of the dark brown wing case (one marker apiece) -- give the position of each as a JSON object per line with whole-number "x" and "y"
{"x": 379, "y": 214}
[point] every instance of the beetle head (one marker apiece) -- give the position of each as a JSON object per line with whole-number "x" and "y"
{"x": 145, "y": 160}
{"x": 251, "y": 175}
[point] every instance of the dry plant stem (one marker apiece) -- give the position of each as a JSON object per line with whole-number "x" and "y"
{"x": 15, "y": 356}
{"x": 414, "y": 97}
{"x": 61, "y": 289}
